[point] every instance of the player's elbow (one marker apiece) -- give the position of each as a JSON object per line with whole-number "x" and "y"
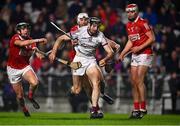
{"x": 59, "y": 39}
{"x": 152, "y": 39}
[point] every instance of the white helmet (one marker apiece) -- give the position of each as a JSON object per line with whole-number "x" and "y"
{"x": 82, "y": 15}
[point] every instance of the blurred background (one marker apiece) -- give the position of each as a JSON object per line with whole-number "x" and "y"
{"x": 162, "y": 81}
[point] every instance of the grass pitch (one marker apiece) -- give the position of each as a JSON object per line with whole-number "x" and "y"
{"x": 83, "y": 119}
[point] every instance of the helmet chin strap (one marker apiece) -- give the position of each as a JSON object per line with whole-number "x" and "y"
{"x": 24, "y": 37}
{"x": 93, "y": 34}
{"x": 132, "y": 19}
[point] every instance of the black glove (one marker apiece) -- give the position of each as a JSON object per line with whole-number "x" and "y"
{"x": 109, "y": 66}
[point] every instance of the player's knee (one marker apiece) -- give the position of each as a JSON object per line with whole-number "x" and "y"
{"x": 75, "y": 90}
{"x": 137, "y": 82}
{"x": 140, "y": 82}
{"x": 34, "y": 82}
{"x": 19, "y": 95}
{"x": 134, "y": 81}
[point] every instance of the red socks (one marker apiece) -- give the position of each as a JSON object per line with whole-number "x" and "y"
{"x": 24, "y": 109}
{"x": 136, "y": 106}
{"x": 30, "y": 94}
{"x": 143, "y": 105}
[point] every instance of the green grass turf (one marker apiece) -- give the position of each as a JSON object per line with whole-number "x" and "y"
{"x": 83, "y": 119}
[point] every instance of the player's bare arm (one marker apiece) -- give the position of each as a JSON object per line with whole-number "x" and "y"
{"x": 38, "y": 55}
{"x": 150, "y": 41}
{"x": 125, "y": 50}
{"x": 22, "y": 43}
{"x": 109, "y": 55}
{"x": 58, "y": 44}
{"x": 114, "y": 45}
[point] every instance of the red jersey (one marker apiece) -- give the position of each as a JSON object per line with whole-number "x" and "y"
{"x": 74, "y": 28}
{"x": 19, "y": 56}
{"x": 136, "y": 33}
{"x": 72, "y": 53}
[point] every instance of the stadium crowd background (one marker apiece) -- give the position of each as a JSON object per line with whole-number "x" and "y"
{"x": 163, "y": 15}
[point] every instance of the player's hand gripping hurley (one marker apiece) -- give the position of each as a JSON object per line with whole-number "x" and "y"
{"x": 73, "y": 65}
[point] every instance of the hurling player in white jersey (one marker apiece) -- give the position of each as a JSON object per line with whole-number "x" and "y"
{"x": 82, "y": 20}
{"x": 89, "y": 39}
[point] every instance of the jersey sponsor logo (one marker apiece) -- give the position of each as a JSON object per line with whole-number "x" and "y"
{"x": 134, "y": 37}
{"x": 87, "y": 45}
{"x": 88, "y": 42}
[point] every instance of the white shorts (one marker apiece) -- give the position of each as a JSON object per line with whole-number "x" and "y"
{"x": 86, "y": 63}
{"x": 15, "y": 75}
{"x": 142, "y": 60}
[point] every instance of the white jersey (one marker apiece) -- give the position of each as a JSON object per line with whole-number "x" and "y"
{"x": 87, "y": 44}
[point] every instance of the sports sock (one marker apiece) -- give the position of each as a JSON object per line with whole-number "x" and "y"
{"x": 143, "y": 105}
{"x": 136, "y": 106}
{"x": 94, "y": 109}
{"x": 21, "y": 102}
{"x": 31, "y": 91}
{"x": 24, "y": 109}
{"x": 97, "y": 107}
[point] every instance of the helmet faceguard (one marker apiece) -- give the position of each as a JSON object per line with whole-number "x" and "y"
{"x": 133, "y": 8}
{"x": 23, "y": 25}
{"x": 94, "y": 22}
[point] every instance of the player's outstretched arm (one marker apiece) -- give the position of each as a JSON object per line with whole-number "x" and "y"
{"x": 22, "y": 43}
{"x": 114, "y": 45}
{"x": 57, "y": 45}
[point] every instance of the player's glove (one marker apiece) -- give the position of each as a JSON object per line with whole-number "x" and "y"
{"x": 109, "y": 66}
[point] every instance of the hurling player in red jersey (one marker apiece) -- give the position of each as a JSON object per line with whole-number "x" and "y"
{"x": 82, "y": 20}
{"x": 20, "y": 50}
{"x": 140, "y": 40}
